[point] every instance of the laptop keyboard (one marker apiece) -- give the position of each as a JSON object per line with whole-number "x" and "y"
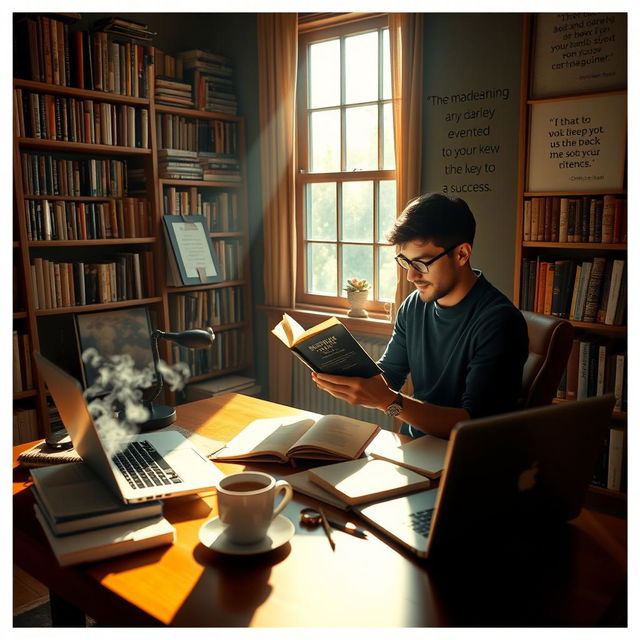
{"x": 142, "y": 466}
{"x": 420, "y": 521}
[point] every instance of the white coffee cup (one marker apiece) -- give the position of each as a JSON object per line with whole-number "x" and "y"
{"x": 246, "y": 504}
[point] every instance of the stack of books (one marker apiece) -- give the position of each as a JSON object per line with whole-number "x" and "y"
{"x": 218, "y": 386}
{"x": 173, "y": 92}
{"x": 83, "y": 521}
{"x": 124, "y": 27}
{"x": 211, "y": 76}
{"x": 179, "y": 164}
{"x": 221, "y": 167}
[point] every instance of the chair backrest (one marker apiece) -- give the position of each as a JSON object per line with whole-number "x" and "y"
{"x": 550, "y": 340}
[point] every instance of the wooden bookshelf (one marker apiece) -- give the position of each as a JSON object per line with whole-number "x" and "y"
{"x": 551, "y": 249}
{"x": 33, "y": 321}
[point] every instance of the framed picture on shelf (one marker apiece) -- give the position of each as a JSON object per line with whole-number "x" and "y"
{"x": 578, "y": 144}
{"x": 192, "y": 260}
{"x": 111, "y": 333}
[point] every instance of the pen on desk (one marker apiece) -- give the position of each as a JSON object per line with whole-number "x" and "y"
{"x": 327, "y": 530}
{"x": 348, "y": 527}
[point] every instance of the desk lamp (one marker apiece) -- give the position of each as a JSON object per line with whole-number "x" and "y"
{"x": 161, "y": 415}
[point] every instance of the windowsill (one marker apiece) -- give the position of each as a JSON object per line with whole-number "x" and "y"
{"x": 308, "y": 316}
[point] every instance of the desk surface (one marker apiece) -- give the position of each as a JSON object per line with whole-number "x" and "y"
{"x": 364, "y": 583}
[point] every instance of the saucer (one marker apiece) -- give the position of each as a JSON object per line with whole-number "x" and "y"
{"x": 212, "y": 535}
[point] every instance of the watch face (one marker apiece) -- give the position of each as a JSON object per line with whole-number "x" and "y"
{"x": 393, "y": 409}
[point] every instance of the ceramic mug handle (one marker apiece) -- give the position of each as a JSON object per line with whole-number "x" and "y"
{"x": 282, "y": 486}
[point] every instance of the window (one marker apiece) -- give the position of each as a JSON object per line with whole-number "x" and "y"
{"x": 346, "y": 189}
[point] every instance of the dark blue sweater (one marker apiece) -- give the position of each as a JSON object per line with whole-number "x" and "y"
{"x": 468, "y": 356}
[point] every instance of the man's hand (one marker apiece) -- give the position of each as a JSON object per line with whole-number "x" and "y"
{"x": 367, "y": 392}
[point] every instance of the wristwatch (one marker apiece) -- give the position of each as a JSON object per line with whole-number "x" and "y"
{"x": 395, "y": 407}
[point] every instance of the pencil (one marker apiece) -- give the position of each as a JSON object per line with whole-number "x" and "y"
{"x": 327, "y": 529}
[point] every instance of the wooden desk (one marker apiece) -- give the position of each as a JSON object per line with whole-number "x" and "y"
{"x": 365, "y": 583}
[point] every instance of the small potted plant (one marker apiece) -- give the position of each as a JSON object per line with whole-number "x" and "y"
{"x": 357, "y": 294}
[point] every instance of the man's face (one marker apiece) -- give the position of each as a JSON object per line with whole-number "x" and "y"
{"x": 443, "y": 274}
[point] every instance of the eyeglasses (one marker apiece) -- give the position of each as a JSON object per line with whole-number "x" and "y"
{"x": 421, "y": 265}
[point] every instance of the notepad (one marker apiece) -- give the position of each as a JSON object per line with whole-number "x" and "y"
{"x": 424, "y": 455}
{"x": 367, "y": 480}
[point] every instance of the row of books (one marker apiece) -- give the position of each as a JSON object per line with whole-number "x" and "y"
{"x": 228, "y": 351}
{"x": 208, "y": 308}
{"x": 601, "y": 219}
{"x": 126, "y": 276}
{"x": 208, "y": 76}
{"x": 25, "y": 425}
{"x": 49, "y": 117}
{"x": 610, "y": 468}
{"x": 49, "y": 174}
{"x": 68, "y": 220}
{"x": 180, "y": 132}
{"x": 230, "y": 256}
{"x": 22, "y": 371}
{"x": 595, "y": 368}
{"x": 594, "y": 290}
{"x": 49, "y": 52}
{"x": 167, "y": 65}
{"x": 220, "y": 208}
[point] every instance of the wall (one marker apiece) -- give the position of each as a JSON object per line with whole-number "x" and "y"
{"x": 471, "y": 110}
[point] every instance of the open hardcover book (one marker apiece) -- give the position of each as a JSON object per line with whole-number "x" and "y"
{"x": 327, "y": 348}
{"x": 318, "y": 438}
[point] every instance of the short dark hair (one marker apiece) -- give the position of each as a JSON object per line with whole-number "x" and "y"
{"x": 436, "y": 218}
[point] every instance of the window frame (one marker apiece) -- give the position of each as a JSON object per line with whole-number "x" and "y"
{"x": 350, "y": 25}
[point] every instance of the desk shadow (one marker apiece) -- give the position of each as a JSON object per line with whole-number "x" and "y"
{"x": 230, "y": 589}
{"x": 529, "y": 581}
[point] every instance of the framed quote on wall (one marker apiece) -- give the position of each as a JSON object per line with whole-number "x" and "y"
{"x": 579, "y": 53}
{"x": 578, "y": 144}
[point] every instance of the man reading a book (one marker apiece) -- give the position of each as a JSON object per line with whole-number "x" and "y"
{"x": 463, "y": 341}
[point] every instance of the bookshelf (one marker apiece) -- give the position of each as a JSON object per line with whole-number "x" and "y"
{"x": 571, "y": 243}
{"x": 89, "y": 195}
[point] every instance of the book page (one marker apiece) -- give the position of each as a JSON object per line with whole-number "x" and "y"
{"x": 319, "y": 328}
{"x": 266, "y": 436}
{"x": 287, "y": 330}
{"x": 345, "y": 437}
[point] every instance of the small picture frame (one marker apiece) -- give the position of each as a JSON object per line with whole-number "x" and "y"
{"x": 192, "y": 257}
{"x": 114, "y": 332}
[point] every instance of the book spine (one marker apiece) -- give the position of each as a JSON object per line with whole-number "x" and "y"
{"x": 583, "y": 371}
{"x": 594, "y": 286}
{"x": 614, "y": 476}
{"x": 608, "y": 216}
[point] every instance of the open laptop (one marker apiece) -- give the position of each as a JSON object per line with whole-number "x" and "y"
{"x": 152, "y": 466}
{"x": 502, "y": 474}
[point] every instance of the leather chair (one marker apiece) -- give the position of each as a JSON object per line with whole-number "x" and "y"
{"x": 550, "y": 341}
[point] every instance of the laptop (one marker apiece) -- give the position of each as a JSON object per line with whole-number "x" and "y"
{"x": 152, "y": 466}
{"x": 503, "y": 474}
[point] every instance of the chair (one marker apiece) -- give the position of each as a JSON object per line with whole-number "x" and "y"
{"x": 550, "y": 341}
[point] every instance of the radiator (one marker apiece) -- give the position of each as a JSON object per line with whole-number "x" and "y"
{"x": 308, "y": 397}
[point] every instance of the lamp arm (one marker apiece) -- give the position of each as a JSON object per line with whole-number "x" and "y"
{"x": 156, "y": 357}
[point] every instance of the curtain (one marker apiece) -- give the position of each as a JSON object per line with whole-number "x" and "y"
{"x": 405, "y": 35}
{"x": 277, "y": 69}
